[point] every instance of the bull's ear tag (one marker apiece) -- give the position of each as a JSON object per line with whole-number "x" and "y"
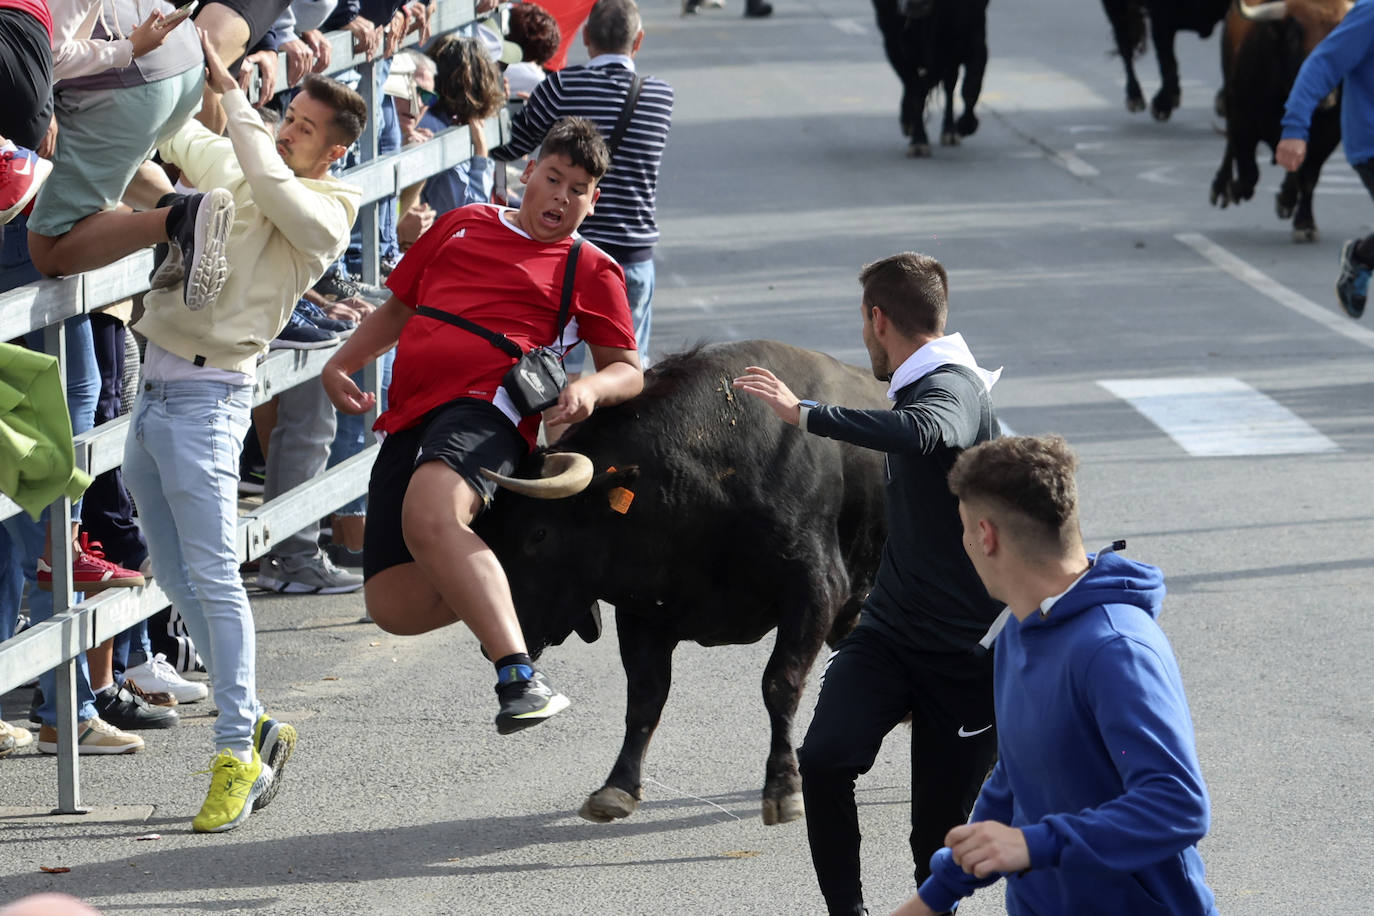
{"x": 620, "y": 499}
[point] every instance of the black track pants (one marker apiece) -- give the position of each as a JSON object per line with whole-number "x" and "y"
{"x": 869, "y": 686}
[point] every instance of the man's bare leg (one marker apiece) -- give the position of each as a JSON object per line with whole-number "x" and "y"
{"x": 99, "y": 239}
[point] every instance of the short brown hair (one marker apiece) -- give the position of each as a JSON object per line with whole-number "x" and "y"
{"x": 911, "y": 289}
{"x": 582, "y": 144}
{"x": 535, "y": 30}
{"x": 468, "y": 83}
{"x": 350, "y": 111}
{"x": 612, "y": 26}
{"x": 1029, "y": 482}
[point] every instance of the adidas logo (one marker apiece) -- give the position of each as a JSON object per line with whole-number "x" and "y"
{"x": 460, "y": 233}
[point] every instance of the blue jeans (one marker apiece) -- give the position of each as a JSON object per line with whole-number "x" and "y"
{"x": 83, "y": 390}
{"x": 181, "y": 463}
{"x": 639, "y": 289}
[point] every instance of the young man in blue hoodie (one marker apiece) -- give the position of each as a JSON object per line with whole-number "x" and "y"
{"x": 1096, "y": 804}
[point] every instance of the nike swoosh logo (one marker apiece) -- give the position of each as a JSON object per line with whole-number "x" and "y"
{"x": 969, "y": 734}
{"x": 23, "y": 167}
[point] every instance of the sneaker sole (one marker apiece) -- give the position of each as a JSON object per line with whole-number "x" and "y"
{"x": 90, "y": 588}
{"x": 299, "y": 588}
{"x": 278, "y": 744}
{"x": 304, "y": 345}
{"x": 41, "y": 170}
{"x": 205, "y": 278}
{"x": 510, "y": 724}
{"x": 261, "y": 785}
{"x": 86, "y": 750}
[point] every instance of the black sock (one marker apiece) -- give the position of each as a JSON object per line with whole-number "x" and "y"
{"x": 517, "y": 661}
{"x": 177, "y": 206}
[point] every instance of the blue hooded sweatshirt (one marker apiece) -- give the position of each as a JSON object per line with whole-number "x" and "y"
{"x": 1098, "y": 766}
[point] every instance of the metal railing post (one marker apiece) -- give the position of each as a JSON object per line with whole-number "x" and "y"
{"x": 60, "y": 558}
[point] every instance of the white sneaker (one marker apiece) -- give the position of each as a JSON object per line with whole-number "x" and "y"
{"x": 94, "y": 736}
{"x": 157, "y": 676}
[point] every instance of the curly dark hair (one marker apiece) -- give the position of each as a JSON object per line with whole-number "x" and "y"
{"x": 535, "y": 30}
{"x": 469, "y": 85}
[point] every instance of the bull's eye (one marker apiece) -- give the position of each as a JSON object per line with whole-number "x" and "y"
{"x": 538, "y": 535}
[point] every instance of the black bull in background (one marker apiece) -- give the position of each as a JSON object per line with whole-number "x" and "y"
{"x": 927, "y": 42}
{"x": 1263, "y": 48}
{"x": 1165, "y": 19}
{"x": 700, "y": 516}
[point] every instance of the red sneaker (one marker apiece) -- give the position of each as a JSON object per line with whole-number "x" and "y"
{"x": 91, "y": 572}
{"x": 22, "y": 172}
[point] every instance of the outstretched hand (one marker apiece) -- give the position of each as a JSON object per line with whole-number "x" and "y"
{"x": 344, "y": 392}
{"x": 770, "y": 389}
{"x": 217, "y": 76}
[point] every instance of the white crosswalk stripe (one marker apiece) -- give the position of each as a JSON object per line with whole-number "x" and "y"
{"x": 1220, "y": 416}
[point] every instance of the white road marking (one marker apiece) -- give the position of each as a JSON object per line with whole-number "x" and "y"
{"x": 849, "y": 26}
{"x": 1212, "y": 417}
{"x": 1075, "y": 165}
{"x": 1263, "y": 283}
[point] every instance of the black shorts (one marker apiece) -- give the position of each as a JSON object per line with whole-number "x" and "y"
{"x": 25, "y": 78}
{"x": 259, "y": 14}
{"x": 467, "y": 434}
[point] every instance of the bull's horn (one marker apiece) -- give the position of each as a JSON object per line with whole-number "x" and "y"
{"x": 1272, "y": 11}
{"x": 565, "y": 474}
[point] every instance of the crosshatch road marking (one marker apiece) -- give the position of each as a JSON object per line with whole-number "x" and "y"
{"x": 1220, "y": 416}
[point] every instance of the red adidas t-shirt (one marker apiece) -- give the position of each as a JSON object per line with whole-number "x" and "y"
{"x": 38, "y": 9}
{"x": 473, "y": 263}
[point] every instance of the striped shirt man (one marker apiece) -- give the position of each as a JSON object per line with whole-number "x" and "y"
{"x": 623, "y": 223}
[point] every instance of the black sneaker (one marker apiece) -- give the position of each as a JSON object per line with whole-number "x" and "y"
{"x": 303, "y": 337}
{"x": 275, "y": 741}
{"x": 526, "y": 703}
{"x": 119, "y": 707}
{"x": 199, "y": 225}
{"x": 335, "y": 287}
{"x": 1352, "y": 286}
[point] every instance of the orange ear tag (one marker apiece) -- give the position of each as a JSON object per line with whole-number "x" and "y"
{"x": 620, "y": 500}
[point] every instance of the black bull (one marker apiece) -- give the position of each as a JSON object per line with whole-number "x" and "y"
{"x": 1166, "y": 18}
{"x": 733, "y": 524}
{"x": 927, "y": 42}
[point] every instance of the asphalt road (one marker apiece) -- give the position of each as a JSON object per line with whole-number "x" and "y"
{"x": 1172, "y": 343}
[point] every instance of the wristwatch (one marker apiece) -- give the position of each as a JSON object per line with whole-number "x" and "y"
{"x": 805, "y": 406}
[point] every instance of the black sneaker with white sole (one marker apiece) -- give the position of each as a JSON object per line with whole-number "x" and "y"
{"x": 527, "y": 703}
{"x": 198, "y": 225}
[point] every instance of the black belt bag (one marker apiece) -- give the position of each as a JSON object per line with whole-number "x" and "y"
{"x": 537, "y": 377}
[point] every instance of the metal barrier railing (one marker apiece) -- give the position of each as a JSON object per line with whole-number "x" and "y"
{"x": 57, "y": 642}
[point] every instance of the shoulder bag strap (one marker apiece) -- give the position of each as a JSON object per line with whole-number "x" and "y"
{"x": 501, "y": 341}
{"x": 624, "y": 123}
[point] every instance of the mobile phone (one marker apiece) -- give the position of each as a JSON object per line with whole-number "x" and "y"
{"x": 180, "y": 13}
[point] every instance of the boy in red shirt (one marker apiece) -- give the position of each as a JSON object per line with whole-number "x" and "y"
{"x": 448, "y": 417}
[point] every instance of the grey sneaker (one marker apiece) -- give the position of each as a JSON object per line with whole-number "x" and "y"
{"x": 319, "y": 576}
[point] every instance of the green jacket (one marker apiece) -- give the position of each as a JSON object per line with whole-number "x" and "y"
{"x": 37, "y": 462}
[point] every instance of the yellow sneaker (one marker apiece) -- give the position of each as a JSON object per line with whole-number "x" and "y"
{"x": 233, "y": 787}
{"x": 274, "y": 742}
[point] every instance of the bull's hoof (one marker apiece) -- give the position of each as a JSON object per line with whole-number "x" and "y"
{"x": 608, "y": 804}
{"x": 1221, "y": 194}
{"x": 1285, "y": 205}
{"x": 967, "y": 125}
{"x": 918, "y": 151}
{"x": 949, "y": 138}
{"x": 1304, "y": 234}
{"x": 1163, "y": 104}
{"x": 1135, "y": 103}
{"x": 783, "y": 810}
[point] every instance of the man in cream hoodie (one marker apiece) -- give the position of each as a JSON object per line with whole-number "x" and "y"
{"x": 292, "y": 219}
